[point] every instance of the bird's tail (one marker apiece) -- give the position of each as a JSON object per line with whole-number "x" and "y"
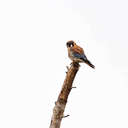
{"x": 89, "y": 63}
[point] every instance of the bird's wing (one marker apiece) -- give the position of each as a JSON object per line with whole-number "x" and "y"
{"x": 80, "y": 56}
{"x": 78, "y": 52}
{"x": 78, "y": 49}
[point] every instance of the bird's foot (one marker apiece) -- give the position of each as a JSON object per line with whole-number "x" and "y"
{"x": 71, "y": 63}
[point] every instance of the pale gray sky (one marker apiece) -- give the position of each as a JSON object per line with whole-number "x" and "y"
{"x": 33, "y": 60}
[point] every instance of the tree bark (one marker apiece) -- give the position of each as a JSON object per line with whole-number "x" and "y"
{"x": 60, "y": 104}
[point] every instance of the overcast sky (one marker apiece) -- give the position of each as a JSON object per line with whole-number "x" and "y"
{"x": 33, "y": 60}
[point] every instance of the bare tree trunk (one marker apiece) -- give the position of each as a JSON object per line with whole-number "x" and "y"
{"x": 63, "y": 96}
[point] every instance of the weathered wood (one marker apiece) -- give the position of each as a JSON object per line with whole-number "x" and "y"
{"x": 60, "y": 104}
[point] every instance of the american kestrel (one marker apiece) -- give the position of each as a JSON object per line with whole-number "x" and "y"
{"x": 76, "y": 53}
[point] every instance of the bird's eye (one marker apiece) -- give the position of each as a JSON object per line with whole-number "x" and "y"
{"x": 71, "y": 45}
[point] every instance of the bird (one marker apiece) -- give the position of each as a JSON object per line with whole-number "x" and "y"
{"x": 76, "y": 53}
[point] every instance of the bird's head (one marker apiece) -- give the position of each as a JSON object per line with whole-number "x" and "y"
{"x": 70, "y": 43}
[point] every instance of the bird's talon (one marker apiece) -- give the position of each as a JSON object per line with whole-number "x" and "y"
{"x": 71, "y": 63}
